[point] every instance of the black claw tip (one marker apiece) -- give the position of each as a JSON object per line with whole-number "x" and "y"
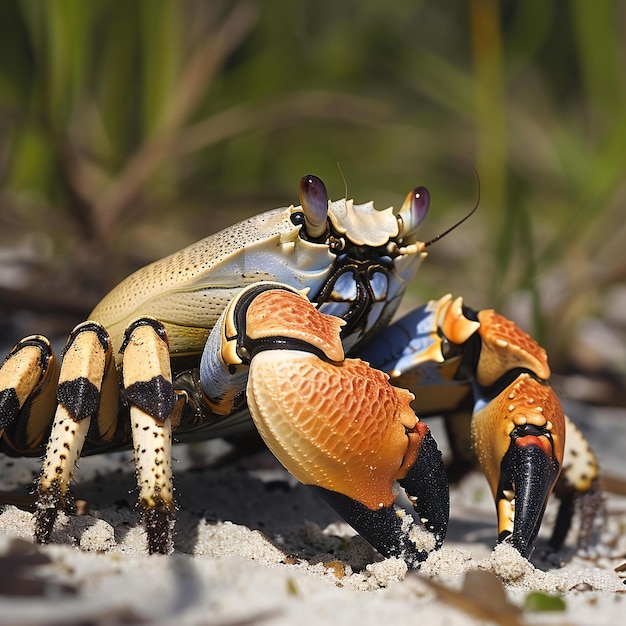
{"x": 382, "y": 528}
{"x": 532, "y": 473}
{"x": 426, "y": 484}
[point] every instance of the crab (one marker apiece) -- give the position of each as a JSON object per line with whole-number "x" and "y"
{"x": 250, "y": 327}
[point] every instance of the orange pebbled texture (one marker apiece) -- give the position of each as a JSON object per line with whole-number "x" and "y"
{"x": 281, "y": 313}
{"x": 525, "y": 401}
{"x": 505, "y": 346}
{"x": 341, "y": 427}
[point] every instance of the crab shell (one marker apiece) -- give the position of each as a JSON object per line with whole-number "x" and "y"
{"x": 188, "y": 290}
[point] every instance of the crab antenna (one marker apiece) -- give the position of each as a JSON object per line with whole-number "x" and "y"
{"x": 345, "y": 182}
{"x": 449, "y": 230}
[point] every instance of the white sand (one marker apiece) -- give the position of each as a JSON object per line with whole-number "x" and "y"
{"x": 252, "y": 546}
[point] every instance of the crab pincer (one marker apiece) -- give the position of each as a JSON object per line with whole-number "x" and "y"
{"x": 518, "y": 428}
{"x": 336, "y": 424}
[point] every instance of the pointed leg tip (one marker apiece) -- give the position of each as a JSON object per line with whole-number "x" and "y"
{"x": 47, "y": 507}
{"x": 159, "y": 523}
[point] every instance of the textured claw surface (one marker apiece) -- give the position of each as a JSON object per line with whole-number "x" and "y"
{"x": 341, "y": 428}
{"x": 505, "y": 346}
{"x": 280, "y": 313}
{"x": 519, "y": 437}
{"x": 525, "y": 401}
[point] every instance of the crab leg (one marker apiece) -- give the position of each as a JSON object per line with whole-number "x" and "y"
{"x": 337, "y": 425}
{"x": 149, "y": 390}
{"x": 28, "y": 380}
{"x": 86, "y": 372}
{"x": 578, "y": 484}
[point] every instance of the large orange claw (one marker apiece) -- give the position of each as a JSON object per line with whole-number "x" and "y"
{"x": 519, "y": 433}
{"x": 477, "y": 366}
{"x": 338, "y": 425}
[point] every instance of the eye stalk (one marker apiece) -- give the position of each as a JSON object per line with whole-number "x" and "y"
{"x": 314, "y": 201}
{"x": 413, "y": 211}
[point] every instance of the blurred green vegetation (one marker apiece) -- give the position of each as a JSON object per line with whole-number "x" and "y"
{"x": 130, "y": 129}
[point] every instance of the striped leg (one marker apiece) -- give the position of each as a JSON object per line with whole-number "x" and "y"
{"x": 578, "y": 487}
{"x": 28, "y": 380}
{"x": 88, "y": 368}
{"x": 149, "y": 390}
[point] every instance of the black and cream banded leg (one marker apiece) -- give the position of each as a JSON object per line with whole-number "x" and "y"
{"x": 87, "y": 396}
{"x": 87, "y": 374}
{"x": 149, "y": 390}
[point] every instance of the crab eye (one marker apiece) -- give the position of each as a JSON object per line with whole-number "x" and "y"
{"x": 420, "y": 201}
{"x": 297, "y": 218}
{"x": 413, "y": 211}
{"x": 314, "y": 201}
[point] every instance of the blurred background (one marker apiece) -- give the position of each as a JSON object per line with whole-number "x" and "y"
{"x": 131, "y": 129}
